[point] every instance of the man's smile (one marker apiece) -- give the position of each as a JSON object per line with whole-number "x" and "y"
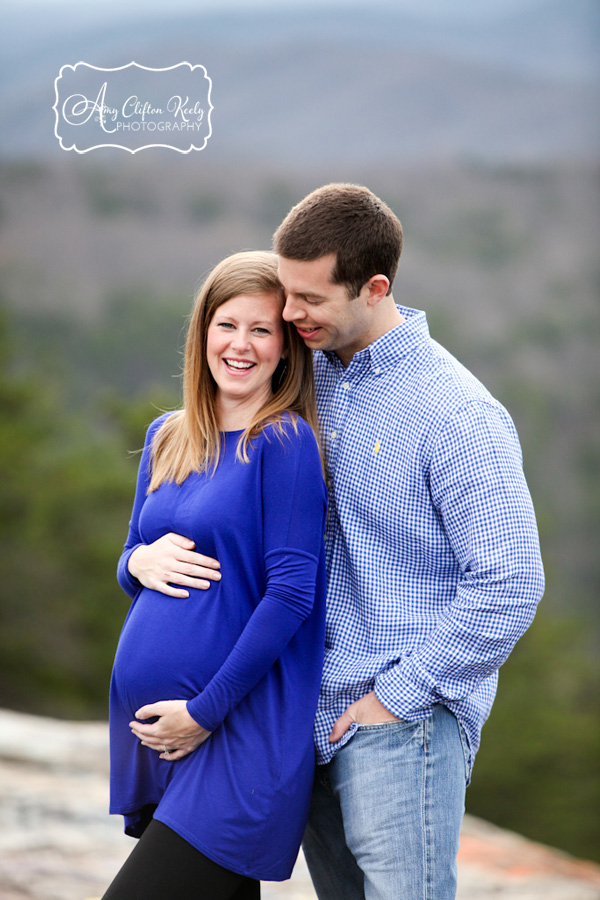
{"x": 307, "y": 333}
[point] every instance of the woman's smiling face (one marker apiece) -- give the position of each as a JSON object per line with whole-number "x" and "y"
{"x": 244, "y": 344}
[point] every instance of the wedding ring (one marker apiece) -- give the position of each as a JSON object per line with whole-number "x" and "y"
{"x": 166, "y": 749}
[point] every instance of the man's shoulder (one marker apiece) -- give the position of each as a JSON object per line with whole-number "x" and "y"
{"x": 428, "y": 374}
{"x": 451, "y": 376}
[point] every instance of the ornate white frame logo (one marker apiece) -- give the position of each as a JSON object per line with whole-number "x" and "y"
{"x": 124, "y": 106}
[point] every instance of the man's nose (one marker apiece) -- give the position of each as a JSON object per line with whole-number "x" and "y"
{"x": 291, "y": 310}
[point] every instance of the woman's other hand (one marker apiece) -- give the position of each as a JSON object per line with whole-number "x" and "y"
{"x": 175, "y": 729}
{"x": 172, "y": 560}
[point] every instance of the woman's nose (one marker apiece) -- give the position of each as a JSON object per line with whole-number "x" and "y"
{"x": 241, "y": 339}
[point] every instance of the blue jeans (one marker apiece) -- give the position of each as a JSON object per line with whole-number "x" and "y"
{"x": 386, "y": 813}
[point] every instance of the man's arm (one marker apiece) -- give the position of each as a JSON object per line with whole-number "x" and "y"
{"x": 478, "y": 488}
{"x": 479, "y": 491}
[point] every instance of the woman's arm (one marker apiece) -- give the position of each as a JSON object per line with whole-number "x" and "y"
{"x": 174, "y": 735}
{"x": 294, "y": 506}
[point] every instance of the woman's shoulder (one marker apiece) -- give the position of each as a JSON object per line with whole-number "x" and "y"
{"x": 292, "y": 426}
{"x": 290, "y": 443}
{"x": 156, "y": 425}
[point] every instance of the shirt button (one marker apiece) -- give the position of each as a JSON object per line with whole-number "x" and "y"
{"x": 346, "y": 385}
{"x": 333, "y": 435}
{"x": 377, "y": 371}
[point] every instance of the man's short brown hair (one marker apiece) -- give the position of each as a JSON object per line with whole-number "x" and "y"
{"x": 350, "y": 221}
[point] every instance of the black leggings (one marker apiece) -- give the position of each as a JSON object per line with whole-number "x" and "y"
{"x": 163, "y": 866}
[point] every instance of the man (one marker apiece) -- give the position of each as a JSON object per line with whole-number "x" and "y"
{"x": 433, "y": 561}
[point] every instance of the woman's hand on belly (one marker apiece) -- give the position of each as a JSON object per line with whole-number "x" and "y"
{"x": 170, "y": 560}
{"x": 175, "y": 729}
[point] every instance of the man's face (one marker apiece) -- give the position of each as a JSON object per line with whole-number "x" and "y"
{"x": 323, "y": 315}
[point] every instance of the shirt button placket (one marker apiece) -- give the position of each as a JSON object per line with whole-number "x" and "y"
{"x": 342, "y": 403}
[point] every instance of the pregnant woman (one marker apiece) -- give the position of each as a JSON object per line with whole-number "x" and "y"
{"x": 214, "y": 691}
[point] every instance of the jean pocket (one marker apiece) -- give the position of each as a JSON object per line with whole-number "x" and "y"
{"x": 401, "y": 723}
{"x": 464, "y": 740}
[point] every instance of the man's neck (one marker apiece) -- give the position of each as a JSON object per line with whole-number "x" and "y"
{"x": 389, "y": 318}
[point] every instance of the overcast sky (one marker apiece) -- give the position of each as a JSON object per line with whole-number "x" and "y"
{"x": 447, "y": 8}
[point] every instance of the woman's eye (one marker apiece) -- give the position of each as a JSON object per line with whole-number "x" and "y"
{"x": 262, "y": 331}
{"x": 227, "y": 325}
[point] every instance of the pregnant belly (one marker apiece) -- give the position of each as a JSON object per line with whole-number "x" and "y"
{"x": 170, "y": 648}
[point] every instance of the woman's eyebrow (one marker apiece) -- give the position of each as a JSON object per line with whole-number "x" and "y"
{"x": 253, "y": 322}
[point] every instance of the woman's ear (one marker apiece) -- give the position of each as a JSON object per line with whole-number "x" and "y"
{"x": 279, "y": 373}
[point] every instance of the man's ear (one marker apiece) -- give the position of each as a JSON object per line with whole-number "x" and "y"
{"x": 377, "y": 288}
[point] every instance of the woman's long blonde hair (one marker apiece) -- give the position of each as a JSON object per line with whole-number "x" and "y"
{"x": 189, "y": 440}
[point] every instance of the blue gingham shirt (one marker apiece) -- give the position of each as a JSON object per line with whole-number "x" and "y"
{"x": 433, "y": 559}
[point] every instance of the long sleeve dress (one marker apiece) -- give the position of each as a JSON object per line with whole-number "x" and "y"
{"x": 246, "y": 654}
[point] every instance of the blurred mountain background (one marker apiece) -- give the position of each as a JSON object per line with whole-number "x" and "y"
{"x": 478, "y": 124}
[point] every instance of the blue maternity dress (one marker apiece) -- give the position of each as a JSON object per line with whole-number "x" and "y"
{"x": 246, "y": 654}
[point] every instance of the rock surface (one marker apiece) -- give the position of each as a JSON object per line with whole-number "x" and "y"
{"x": 57, "y": 841}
